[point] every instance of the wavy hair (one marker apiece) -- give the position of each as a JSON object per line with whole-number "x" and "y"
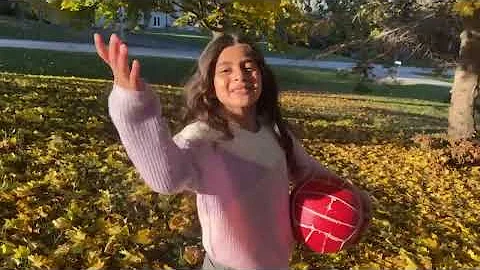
{"x": 202, "y": 103}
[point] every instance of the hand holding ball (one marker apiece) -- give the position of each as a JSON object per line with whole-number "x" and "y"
{"x": 327, "y": 215}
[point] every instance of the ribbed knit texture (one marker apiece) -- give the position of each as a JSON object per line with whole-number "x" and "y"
{"x": 241, "y": 184}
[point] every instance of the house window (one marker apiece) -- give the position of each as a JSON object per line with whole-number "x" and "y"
{"x": 157, "y": 21}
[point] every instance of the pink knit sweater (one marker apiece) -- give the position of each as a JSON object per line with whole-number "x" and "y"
{"x": 242, "y": 185}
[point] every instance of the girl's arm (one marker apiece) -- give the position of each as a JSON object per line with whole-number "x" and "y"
{"x": 136, "y": 113}
{"x": 165, "y": 166}
{"x": 308, "y": 168}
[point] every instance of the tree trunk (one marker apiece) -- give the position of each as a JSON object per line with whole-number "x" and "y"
{"x": 461, "y": 119}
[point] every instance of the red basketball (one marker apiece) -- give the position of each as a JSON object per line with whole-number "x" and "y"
{"x": 325, "y": 215}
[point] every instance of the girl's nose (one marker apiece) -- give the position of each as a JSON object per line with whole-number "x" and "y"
{"x": 239, "y": 75}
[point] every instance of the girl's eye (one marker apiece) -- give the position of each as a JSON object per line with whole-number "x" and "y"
{"x": 224, "y": 70}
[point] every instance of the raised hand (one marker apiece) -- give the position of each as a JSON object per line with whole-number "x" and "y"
{"x": 116, "y": 56}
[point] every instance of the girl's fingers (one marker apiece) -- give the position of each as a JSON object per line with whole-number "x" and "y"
{"x": 135, "y": 80}
{"x": 122, "y": 61}
{"x": 100, "y": 47}
{"x": 113, "y": 52}
{"x": 117, "y": 58}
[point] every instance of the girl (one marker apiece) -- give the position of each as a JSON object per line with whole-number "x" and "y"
{"x": 237, "y": 154}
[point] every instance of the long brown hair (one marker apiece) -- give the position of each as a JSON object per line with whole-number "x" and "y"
{"x": 202, "y": 103}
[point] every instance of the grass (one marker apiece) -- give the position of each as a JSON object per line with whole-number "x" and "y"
{"x": 27, "y": 29}
{"x": 185, "y": 39}
{"x": 329, "y": 81}
{"x": 178, "y": 37}
{"x": 176, "y": 72}
{"x": 200, "y": 40}
{"x": 88, "y": 65}
{"x": 441, "y": 77}
{"x": 71, "y": 199}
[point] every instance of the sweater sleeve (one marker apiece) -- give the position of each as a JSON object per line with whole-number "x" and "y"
{"x": 166, "y": 167}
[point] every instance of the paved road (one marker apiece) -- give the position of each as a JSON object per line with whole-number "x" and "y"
{"x": 405, "y": 75}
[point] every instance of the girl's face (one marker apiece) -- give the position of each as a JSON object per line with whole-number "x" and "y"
{"x": 237, "y": 80}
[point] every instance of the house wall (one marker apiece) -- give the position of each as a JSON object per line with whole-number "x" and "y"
{"x": 159, "y": 20}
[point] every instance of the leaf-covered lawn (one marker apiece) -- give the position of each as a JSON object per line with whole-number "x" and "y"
{"x": 70, "y": 198}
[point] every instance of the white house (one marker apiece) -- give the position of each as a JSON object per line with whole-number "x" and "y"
{"x": 157, "y": 20}
{"x": 160, "y": 19}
